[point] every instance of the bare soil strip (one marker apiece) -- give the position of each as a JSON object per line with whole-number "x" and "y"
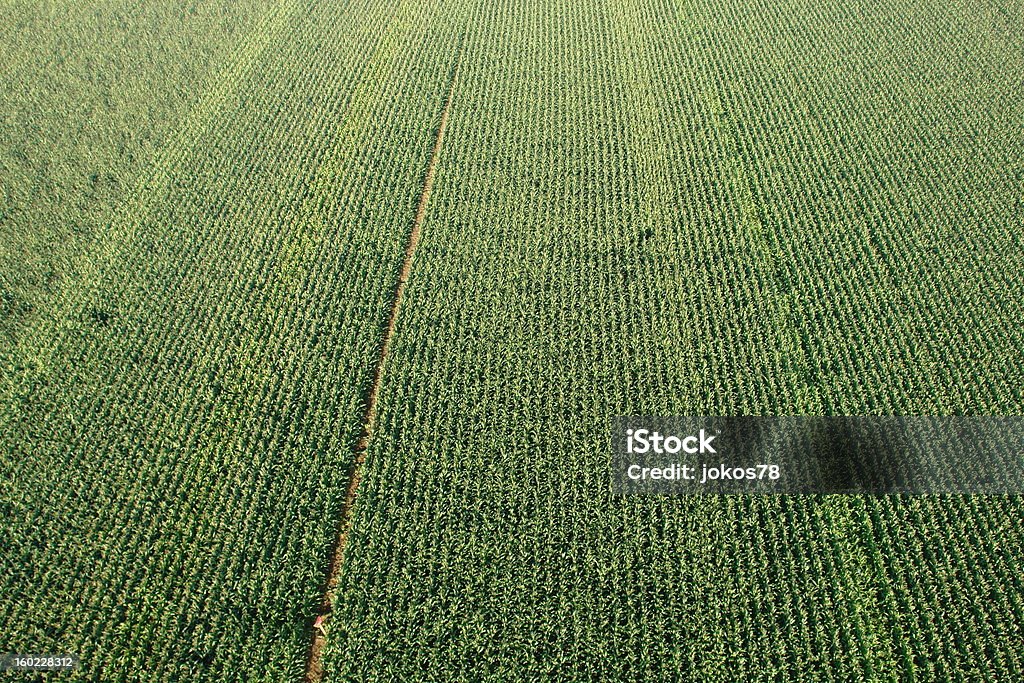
{"x": 314, "y": 664}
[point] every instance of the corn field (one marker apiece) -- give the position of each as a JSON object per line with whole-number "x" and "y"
{"x": 287, "y": 280}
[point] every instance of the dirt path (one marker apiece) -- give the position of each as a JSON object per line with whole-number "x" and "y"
{"x": 314, "y": 663}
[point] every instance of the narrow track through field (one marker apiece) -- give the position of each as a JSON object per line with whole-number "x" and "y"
{"x": 314, "y": 665}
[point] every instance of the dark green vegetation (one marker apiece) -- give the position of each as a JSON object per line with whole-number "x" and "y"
{"x": 648, "y": 207}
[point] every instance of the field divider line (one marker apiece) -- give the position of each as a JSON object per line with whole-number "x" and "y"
{"x": 314, "y": 664}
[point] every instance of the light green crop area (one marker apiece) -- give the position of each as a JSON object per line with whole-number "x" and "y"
{"x": 660, "y": 207}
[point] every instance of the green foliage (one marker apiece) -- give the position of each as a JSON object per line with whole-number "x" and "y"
{"x": 736, "y": 207}
{"x": 696, "y": 208}
{"x": 180, "y": 407}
